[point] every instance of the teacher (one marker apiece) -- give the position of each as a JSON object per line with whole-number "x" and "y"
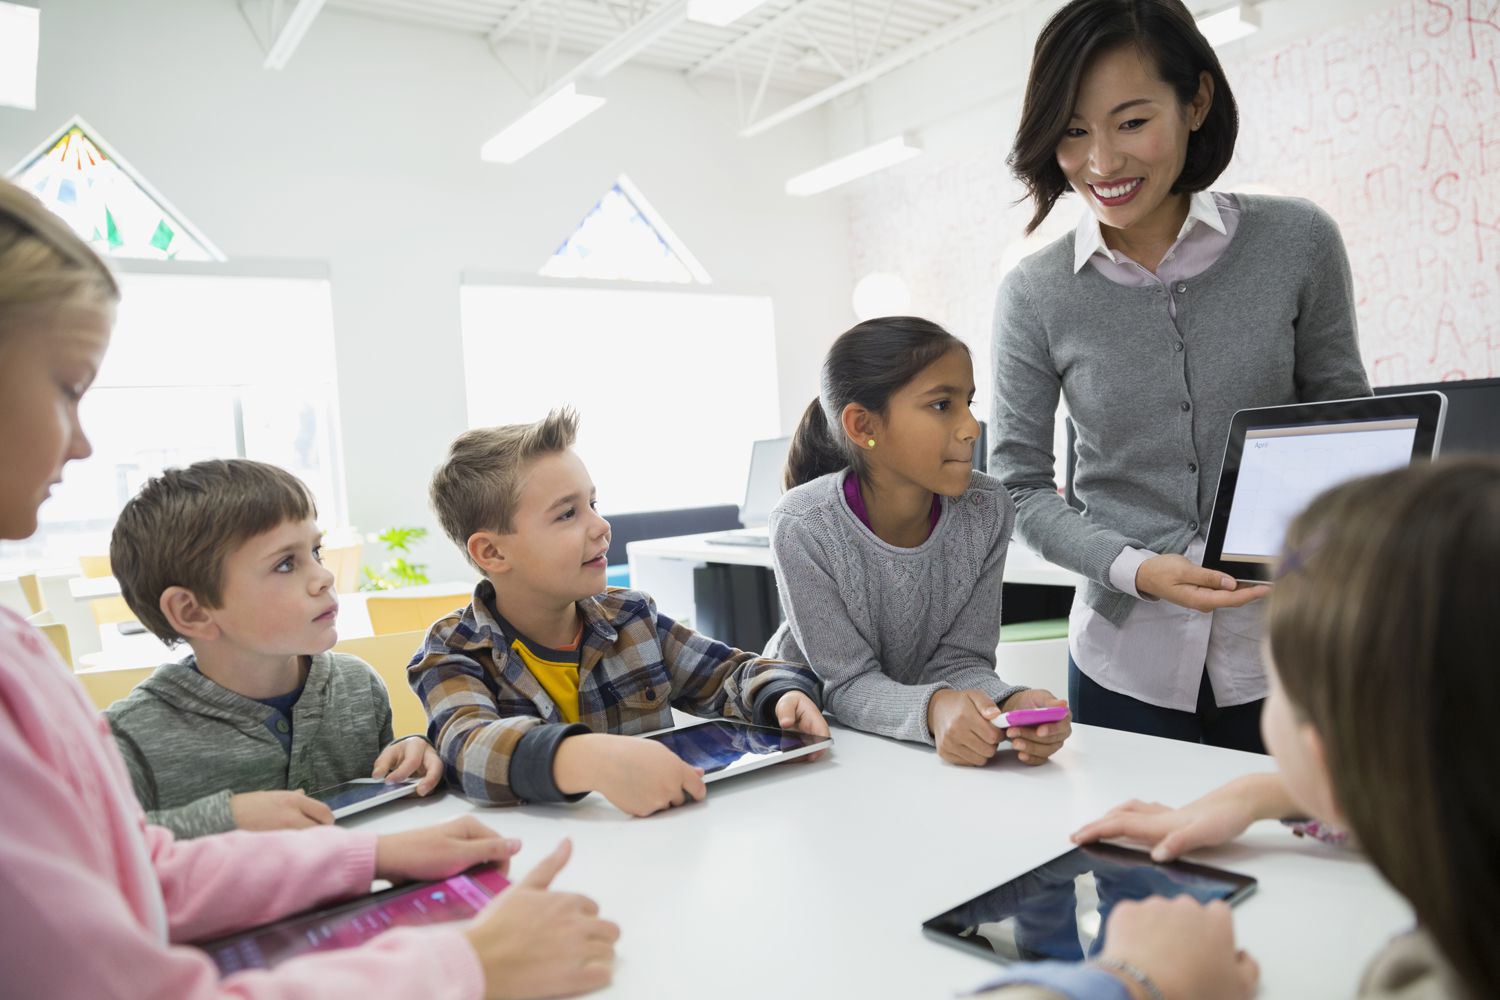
{"x": 1167, "y": 309}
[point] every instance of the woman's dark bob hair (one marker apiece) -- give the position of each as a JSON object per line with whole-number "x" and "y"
{"x": 1164, "y": 31}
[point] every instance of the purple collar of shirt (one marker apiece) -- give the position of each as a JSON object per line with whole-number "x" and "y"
{"x": 856, "y": 500}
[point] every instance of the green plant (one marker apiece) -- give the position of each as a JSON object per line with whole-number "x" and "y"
{"x": 397, "y": 571}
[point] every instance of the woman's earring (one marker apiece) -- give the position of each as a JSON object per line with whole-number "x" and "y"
{"x": 870, "y": 443}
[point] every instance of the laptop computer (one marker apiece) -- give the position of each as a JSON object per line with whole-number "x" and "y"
{"x": 762, "y": 490}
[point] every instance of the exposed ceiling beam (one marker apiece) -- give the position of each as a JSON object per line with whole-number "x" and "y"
{"x": 293, "y": 30}
{"x": 512, "y": 21}
{"x": 629, "y": 43}
{"x": 907, "y": 53}
{"x": 748, "y": 39}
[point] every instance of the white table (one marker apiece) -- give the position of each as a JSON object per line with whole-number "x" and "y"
{"x": 813, "y": 880}
{"x": 663, "y": 567}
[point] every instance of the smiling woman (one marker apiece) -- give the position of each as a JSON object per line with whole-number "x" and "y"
{"x": 1168, "y": 308}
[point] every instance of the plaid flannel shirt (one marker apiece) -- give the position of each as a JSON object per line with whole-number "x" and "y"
{"x": 498, "y": 731}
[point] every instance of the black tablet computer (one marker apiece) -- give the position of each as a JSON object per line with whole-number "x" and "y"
{"x": 1057, "y": 911}
{"x": 1278, "y": 458}
{"x": 724, "y": 747}
{"x": 352, "y": 923}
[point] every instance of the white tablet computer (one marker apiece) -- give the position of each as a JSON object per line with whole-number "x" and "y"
{"x": 723, "y": 747}
{"x": 361, "y": 794}
{"x": 1278, "y": 458}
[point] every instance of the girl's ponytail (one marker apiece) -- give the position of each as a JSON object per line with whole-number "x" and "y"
{"x": 814, "y": 452}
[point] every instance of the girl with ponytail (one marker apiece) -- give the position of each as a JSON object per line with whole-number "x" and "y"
{"x": 890, "y": 549}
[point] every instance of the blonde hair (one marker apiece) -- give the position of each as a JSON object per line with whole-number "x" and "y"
{"x": 479, "y": 486}
{"x": 44, "y": 266}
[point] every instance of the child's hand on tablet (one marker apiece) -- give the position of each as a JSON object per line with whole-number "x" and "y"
{"x": 639, "y": 776}
{"x": 435, "y": 852}
{"x": 277, "y": 810}
{"x": 1184, "y": 947}
{"x": 407, "y": 757}
{"x": 797, "y": 712}
{"x": 533, "y": 942}
{"x": 1214, "y": 819}
{"x": 1034, "y": 744}
{"x": 960, "y": 724}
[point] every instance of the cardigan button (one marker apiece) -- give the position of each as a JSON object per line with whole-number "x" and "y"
{"x": 1177, "y": 347}
{"x": 1186, "y": 406}
{"x": 1181, "y": 287}
{"x": 1193, "y": 525}
{"x": 1192, "y": 466}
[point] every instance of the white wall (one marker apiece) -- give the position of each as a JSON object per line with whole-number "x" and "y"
{"x": 363, "y": 153}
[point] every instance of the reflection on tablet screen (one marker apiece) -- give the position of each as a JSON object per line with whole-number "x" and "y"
{"x": 456, "y": 898}
{"x": 1058, "y": 910}
{"x": 353, "y": 793}
{"x": 716, "y": 747}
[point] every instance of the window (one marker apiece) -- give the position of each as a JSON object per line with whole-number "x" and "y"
{"x": 77, "y": 176}
{"x": 623, "y": 239}
{"x": 672, "y": 386}
{"x": 199, "y": 366}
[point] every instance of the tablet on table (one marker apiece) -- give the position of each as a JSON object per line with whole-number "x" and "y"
{"x": 362, "y": 793}
{"x": 1057, "y": 911}
{"x": 350, "y": 924}
{"x": 724, "y": 747}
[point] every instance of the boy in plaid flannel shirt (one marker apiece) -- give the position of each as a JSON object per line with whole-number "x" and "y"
{"x": 532, "y": 689}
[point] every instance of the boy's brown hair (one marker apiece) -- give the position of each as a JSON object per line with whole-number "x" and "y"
{"x": 478, "y": 487}
{"x": 1384, "y": 626}
{"x": 182, "y": 526}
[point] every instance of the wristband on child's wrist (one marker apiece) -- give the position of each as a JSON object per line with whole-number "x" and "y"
{"x": 1132, "y": 974}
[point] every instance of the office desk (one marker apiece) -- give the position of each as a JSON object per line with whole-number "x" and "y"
{"x": 663, "y": 567}
{"x": 812, "y": 881}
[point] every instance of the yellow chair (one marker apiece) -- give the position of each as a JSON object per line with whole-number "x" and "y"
{"x": 343, "y": 562}
{"x": 107, "y": 685}
{"x": 408, "y": 614}
{"x": 57, "y": 634}
{"x": 107, "y": 610}
{"x": 389, "y": 655}
{"x": 32, "y": 588}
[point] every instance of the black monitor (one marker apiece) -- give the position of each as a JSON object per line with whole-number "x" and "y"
{"x": 1473, "y": 420}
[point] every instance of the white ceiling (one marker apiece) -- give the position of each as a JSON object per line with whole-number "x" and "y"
{"x": 808, "y": 45}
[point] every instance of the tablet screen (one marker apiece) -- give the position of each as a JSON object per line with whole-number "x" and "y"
{"x": 1058, "y": 910}
{"x": 351, "y": 924}
{"x": 1283, "y": 468}
{"x": 722, "y": 744}
{"x": 1277, "y": 459}
{"x": 353, "y": 793}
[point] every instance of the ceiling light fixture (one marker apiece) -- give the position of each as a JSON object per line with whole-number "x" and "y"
{"x": 847, "y": 168}
{"x": 1229, "y": 25}
{"x": 545, "y": 120}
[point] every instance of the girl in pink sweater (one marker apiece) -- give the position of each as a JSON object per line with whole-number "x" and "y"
{"x": 95, "y": 900}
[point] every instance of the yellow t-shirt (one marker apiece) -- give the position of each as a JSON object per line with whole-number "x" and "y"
{"x": 556, "y": 670}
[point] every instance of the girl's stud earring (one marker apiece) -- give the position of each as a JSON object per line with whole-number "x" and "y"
{"x": 870, "y": 443}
